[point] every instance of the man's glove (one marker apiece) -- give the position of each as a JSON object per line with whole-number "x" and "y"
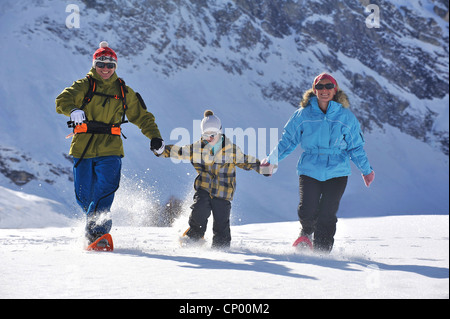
{"x": 157, "y": 145}
{"x": 77, "y": 116}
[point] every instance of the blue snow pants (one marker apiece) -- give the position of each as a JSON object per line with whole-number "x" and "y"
{"x": 96, "y": 180}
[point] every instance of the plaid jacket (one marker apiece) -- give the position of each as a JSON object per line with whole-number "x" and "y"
{"x": 216, "y": 172}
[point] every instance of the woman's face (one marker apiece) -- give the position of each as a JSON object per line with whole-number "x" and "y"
{"x": 323, "y": 94}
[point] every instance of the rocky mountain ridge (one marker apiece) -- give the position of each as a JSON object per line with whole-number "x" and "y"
{"x": 252, "y": 58}
{"x": 409, "y": 51}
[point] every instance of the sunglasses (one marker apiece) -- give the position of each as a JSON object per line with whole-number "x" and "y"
{"x": 209, "y": 135}
{"x": 327, "y": 86}
{"x": 101, "y": 65}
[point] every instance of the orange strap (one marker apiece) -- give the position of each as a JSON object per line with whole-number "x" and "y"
{"x": 80, "y": 128}
{"x": 94, "y": 128}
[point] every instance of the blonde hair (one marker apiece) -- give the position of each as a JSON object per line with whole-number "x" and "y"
{"x": 339, "y": 97}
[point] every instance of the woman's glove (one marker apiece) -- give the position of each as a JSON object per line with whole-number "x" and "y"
{"x": 266, "y": 168}
{"x": 368, "y": 179}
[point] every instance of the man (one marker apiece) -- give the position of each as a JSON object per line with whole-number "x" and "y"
{"x": 97, "y": 106}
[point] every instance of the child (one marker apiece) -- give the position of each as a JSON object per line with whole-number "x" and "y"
{"x": 215, "y": 158}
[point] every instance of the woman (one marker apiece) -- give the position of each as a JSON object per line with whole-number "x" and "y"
{"x": 330, "y": 136}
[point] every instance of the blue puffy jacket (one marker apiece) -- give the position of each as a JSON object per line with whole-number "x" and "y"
{"x": 329, "y": 141}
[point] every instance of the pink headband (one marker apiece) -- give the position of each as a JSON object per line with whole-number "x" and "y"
{"x": 325, "y": 76}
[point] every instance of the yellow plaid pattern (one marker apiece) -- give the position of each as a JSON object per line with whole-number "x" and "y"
{"x": 216, "y": 172}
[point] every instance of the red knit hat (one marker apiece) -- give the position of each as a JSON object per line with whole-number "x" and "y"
{"x": 325, "y": 76}
{"x": 104, "y": 53}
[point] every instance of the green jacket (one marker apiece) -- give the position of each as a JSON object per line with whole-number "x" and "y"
{"x": 106, "y": 110}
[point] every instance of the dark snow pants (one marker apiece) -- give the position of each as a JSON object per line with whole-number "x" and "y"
{"x": 96, "y": 180}
{"x": 319, "y": 203}
{"x": 203, "y": 205}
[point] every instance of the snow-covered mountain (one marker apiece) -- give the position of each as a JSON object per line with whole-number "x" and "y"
{"x": 249, "y": 61}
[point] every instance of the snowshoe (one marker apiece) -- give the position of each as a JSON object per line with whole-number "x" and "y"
{"x": 186, "y": 241}
{"x": 303, "y": 242}
{"x": 103, "y": 243}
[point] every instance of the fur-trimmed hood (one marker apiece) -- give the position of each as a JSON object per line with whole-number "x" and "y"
{"x": 329, "y": 140}
{"x": 339, "y": 97}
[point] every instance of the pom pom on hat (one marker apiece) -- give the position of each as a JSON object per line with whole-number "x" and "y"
{"x": 104, "y": 53}
{"x": 208, "y": 113}
{"x": 210, "y": 123}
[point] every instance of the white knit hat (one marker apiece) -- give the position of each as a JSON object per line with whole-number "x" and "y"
{"x": 211, "y": 123}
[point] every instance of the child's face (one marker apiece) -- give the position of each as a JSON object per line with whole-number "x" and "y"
{"x": 211, "y": 137}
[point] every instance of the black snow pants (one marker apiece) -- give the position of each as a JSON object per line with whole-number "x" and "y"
{"x": 203, "y": 205}
{"x": 319, "y": 203}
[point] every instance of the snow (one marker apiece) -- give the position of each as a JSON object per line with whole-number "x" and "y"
{"x": 392, "y": 239}
{"x": 384, "y": 257}
{"x": 373, "y": 257}
{"x": 21, "y": 210}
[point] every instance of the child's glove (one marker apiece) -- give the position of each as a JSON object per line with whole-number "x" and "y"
{"x": 266, "y": 168}
{"x": 368, "y": 179}
{"x": 157, "y": 145}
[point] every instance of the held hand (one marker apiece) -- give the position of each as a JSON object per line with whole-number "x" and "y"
{"x": 266, "y": 168}
{"x": 157, "y": 145}
{"x": 77, "y": 116}
{"x": 368, "y": 179}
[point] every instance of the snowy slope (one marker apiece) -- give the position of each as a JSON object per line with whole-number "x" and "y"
{"x": 41, "y": 228}
{"x": 399, "y": 249}
{"x": 385, "y": 257}
{"x": 42, "y": 256}
{"x": 21, "y": 210}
